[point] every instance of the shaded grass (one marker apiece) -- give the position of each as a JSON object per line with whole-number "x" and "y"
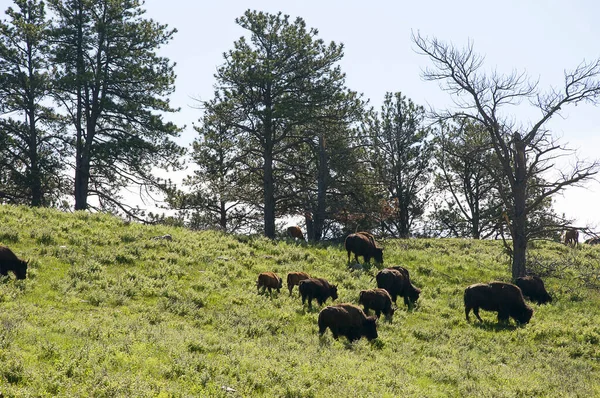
{"x": 107, "y": 311}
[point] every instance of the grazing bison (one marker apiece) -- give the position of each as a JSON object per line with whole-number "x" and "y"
{"x": 295, "y": 232}
{"x": 377, "y": 299}
{"x": 572, "y": 237}
{"x": 294, "y": 278}
{"x": 363, "y": 244}
{"x": 317, "y": 288}
{"x": 593, "y": 241}
{"x": 504, "y": 298}
{"x": 397, "y": 283}
{"x": 269, "y": 280}
{"x": 10, "y": 262}
{"x": 533, "y": 287}
{"x": 347, "y": 320}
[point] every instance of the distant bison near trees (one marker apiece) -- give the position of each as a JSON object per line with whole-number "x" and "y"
{"x": 269, "y": 280}
{"x": 294, "y": 278}
{"x": 379, "y": 300}
{"x": 533, "y": 287}
{"x": 397, "y": 283}
{"x": 504, "y": 298}
{"x": 363, "y": 244}
{"x": 295, "y": 232}
{"x": 317, "y": 288}
{"x": 572, "y": 237}
{"x": 10, "y": 262}
{"x": 347, "y": 320}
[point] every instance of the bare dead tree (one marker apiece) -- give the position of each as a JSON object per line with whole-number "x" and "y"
{"x": 527, "y": 152}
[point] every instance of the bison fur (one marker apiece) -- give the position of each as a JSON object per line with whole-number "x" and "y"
{"x": 347, "y": 320}
{"x": 533, "y": 287}
{"x": 269, "y": 280}
{"x": 397, "y": 283}
{"x": 10, "y": 262}
{"x": 379, "y": 300}
{"x": 363, "y": 244}
{"x": 317, "y": 288}
{"x": 504, "y": 298}
{"x": 294, "y": 278}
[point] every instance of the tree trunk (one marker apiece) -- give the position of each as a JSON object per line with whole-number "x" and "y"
{"x": 520, "y": 221}
{"x": 223, "y": 215}
{"x": 269, "y": 196}
{"x": 35, "y": 178}
{"x": 82, "y": 177}
{"x": 82, "y": 160}
{"x": 323, "y": 175}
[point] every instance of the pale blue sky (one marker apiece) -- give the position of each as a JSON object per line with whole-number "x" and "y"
{"x": 540, "y": 37}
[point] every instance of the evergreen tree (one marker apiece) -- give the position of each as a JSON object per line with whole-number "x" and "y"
{"x": 114, "y": 89}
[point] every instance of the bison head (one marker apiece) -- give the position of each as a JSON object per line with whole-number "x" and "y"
{"x": 21, "y": 269}
{"x": 279, "y": 283}
{"x": 360, "y": 297}
{"x": 378, "y": 255}
{"x": 333, "y": 292}
{"x": 369, "y": 329}
{"x": 524, "y": 316}
{"x": 413, "y": 293}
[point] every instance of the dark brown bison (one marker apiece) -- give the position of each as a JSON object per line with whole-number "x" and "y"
{"x": 377, "y": 299}
{"x": 593, "y": 241}
{"x": 294, "y": 278}
{"x": 504, "y": 298}
{"x": 533, "y": 287}
{"x": 571, "y": 237}
{"x": 363, "y": 244}
{"x": 10, "y": 262}
{"x": 317, "y": 288}
{"x": 295, "y": 232}
{"x": 397, "y": 283}
{"x": 269, "y": 280}
{"x": 347, "y": 320}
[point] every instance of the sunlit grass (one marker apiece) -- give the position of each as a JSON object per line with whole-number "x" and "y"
{"x": 107, "y": 311}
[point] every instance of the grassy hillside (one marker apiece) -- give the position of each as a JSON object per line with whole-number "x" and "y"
{"x": 108, "y": 312}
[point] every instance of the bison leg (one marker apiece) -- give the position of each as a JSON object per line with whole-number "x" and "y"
{"x": 378, "y": 313}
{"x": 290, "y": 288}
{"x": 309, "y": 302}
{"x": 356, "y": 258}
{"x": 502, "y": 316}
{"x": 467, "y": 310}
{"x": 349, "y": 256}
{"x": 476, "y": 312}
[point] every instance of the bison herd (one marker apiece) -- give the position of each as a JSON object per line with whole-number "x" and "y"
{"x": 506, "y": 299}
{"x": 351, "y": 321}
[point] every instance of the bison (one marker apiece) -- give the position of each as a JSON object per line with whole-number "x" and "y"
{"x": 377, "y": 299}
{"x": 295, "y": 232}
{"x": 294, "y": 278}
{"x": 10, "y": 262}
{"x": 347, "y": 320}
{"x": 572, "y": 237}
{"x": 504, "y": 298}
{"x": 533, "y": 287}
{"x": 397, "y": 283}
{"x": 593, "y": 241}
{"x": 363, "y": 244}
{"x": 317, "y": 288}
{"x": 268, "y": 280}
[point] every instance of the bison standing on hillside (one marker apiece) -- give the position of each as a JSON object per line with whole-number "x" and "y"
{"x": 10, "y": 262}
{"x": 317, "y": 288}
{"x": 294, "y": 278}
{"x": 571, "y": 237}
{"x": 397, "y": 283}
{"x": 295, "y": 232}
{"x": 269, "y": 280}
{"x": 501, "y": 297}
{"x": 347, "y": 320}
{"x": 377, "y": 299}
{"x": 533, "y": 287}
{"x": 363, "y": 244}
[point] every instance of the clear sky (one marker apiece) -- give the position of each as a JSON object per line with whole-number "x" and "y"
{"x": 541, "y": 37}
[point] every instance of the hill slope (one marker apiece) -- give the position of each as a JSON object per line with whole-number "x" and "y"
{"x": 107, "y": 311}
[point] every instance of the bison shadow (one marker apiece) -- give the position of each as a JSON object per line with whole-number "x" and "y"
{"x": 495, "y": 326}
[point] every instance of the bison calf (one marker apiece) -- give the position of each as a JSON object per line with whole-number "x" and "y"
{"x": 504, "y": 298}
{"x": 377, "y": 299}
{"x": 10, "y": 262}
{"x": 397, "y": 282}
{"x": 533, "y": 287}
{"x": 317, "y": 288}
{"x": 268, "y": 280}
{"x": 294, "y": 278}
{"x": 347, "y": 320}
{"x": 363, "y": 244}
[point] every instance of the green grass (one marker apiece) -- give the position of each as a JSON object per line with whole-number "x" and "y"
{"x": 108, "y": 312}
